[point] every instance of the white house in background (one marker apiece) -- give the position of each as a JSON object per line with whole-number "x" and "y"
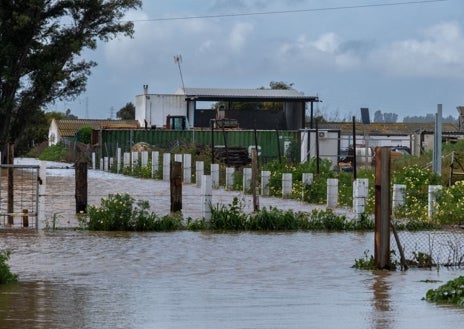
{"x": 64, "y": 131}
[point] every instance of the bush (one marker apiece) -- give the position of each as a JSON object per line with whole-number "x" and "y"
{"x": 450, "y": 202}
{"x": 228, "y": 217}
{"x": 55, "y": 152}
{"x": 84, "y": 135}
{"x": 120, "y": 212}
{"x": 449, "y": 293}
{"x": 5, "y": 274}
{"x": 275, "y": 219}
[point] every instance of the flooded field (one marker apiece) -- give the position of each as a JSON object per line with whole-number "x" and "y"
{"x": 76, "y": 279}
{"x": 72, "y": 279}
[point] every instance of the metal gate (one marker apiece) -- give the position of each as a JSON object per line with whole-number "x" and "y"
{"x": 19, "y": 196}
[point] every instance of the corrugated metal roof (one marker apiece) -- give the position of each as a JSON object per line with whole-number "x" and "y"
{"x": 69, "y": 127}
{"x": 263, "y": 94}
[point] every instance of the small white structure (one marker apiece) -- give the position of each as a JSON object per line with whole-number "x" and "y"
{"x": 329, "y": 144}
{"x": 151, "y": 110}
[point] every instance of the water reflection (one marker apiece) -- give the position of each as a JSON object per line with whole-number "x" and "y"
{"x": 382, "y": 309}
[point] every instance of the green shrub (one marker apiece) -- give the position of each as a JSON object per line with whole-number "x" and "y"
{"x": 450, "y": 205}
{"x": 55, "y": 152}
{"x": 84, "y": 135}
{"x": 417, "y": 181}
{"x": 449, "y": 293}
{"x": 326, "y": 220}
{"x": 120, "y": 212}
{"x": 365, "y": 263}
{"x": 274, "y": 219}
{"x": 228, "y": 217}
{"x": 5, "y": 274}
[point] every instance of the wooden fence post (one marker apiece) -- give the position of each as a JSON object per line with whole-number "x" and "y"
{"x": 382, "y": 207}
{"x": 10, "y": 171}
{"x": 254, "y": 178}
{"x": 176, "y": 186}
{"x": 81, "y": 186}
{"x": 25, "y": 218}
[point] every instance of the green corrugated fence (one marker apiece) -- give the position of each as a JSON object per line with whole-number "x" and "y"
{"x": 271, "y": 143}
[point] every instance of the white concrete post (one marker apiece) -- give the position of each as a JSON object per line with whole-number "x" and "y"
{"x": 166, "y": 166}
{"x": 215, "y": 175}
{"x": 110, "y": 163}
{"x": 199, "y": 171}
{"x": 105, "y": 163}
{"x": 94, "y": 161}
{"x": 230, "y": 173}
{"x": 432, "y": 199}
{"x": 135, "y": 160}
{"x": 126, "y": 159}
{"x": 246, "y": 179}
{"x": 306, "y": 180}
{"x": 118, "y": 160}
{"x": 399, "y": 195}
{"x": 265, "y": 178}
{"x": 332, "y": 192}
{"x": 287, "y": 185}
{"x": 41, "y": 216}
{"x": 101, "y": 164}
{"x": 187, "y": 168}
{"x": 206, "y": 196}
{"x": 154, "y": 163}
{"x": 360, "y": 194}
{"x": 144, "y": 160}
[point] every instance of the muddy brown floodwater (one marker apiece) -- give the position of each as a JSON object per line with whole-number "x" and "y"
{"x": 79, "y": 279}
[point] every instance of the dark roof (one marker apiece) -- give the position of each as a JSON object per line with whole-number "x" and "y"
{"x": 390, "y": 129}
{"x": 217, "y": 94}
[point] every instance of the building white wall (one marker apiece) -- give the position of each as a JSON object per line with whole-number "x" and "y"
{"x": 154, "y": 108}
{"x": 328, "y": 145}
{"x": 53, "y": 135}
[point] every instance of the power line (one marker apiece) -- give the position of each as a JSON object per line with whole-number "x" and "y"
{"x": 403, "y": 3}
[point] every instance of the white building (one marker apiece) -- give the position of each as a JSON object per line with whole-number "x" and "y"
{"x": 152, "y": 110}
{"x": 184, "y": 108}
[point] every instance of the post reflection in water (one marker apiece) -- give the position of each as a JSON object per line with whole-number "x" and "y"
{"x": 382, "y": 315}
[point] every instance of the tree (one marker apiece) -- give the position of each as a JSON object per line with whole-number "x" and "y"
{"x": 41, "y": 42}
{"x": 385, "y": 117}
{"x": 127, "y": 112}
{"x": 378, "y": 116}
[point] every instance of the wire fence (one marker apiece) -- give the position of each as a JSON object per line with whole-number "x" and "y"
{"x": 431, "y": 248}
{"x": 19, "y": 195}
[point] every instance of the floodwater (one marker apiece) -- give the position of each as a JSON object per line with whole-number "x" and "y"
{"x": 79, "y": 279}
{"x": 75, "y": 279}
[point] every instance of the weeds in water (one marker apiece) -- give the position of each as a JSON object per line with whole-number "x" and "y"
{"x": 450, "y": 293}
{"x": 421, "y": 260}
{"x": 121, "y": 212}
{"x": 365, "y": 263}
{"x": 229, "y": 217}
{"x": 52, "y": 223}
{"x": 5, "y": 274}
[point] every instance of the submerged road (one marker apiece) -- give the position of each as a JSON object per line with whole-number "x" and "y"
{"x": 60, "y": 194}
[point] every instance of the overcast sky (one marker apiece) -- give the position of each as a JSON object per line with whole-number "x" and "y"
{"x": 394, "y": 56}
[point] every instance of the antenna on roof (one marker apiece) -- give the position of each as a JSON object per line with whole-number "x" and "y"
{"x": 178, "y": 60}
